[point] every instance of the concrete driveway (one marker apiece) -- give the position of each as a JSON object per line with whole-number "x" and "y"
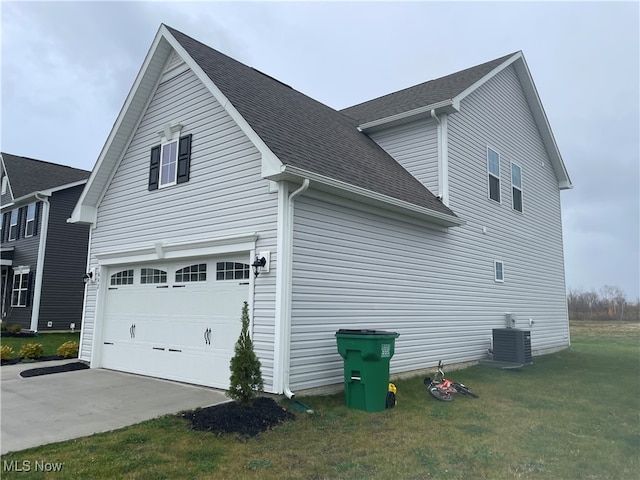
{"x": 62, "y": 406}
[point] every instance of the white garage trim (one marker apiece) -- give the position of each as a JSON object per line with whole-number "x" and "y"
{"x": 176, "y": 250}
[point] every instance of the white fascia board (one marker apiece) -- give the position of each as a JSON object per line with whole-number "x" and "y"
{"x": 33, "y": 196}
{"x": 445, "y": 106}
{"x": 271, "y": 164}
{"x": 168, "y": 251}
{"x": 125, "y": 125}
{"x": 368, "y": 196}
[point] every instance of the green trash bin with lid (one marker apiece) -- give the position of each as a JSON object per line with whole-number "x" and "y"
{"x": 366, "y": 355}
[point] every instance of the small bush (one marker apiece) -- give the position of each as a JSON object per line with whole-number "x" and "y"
{"x": 3, "y": 327}
{"x": 31, "y": 351}
{"x": 68, "y": 349}
{"x": 14, "y": 328}
{"x": 6, "y": 352}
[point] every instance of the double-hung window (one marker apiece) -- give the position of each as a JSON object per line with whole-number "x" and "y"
{"x": 20, "y": 291}
{"x": 169, "y": 164}
{"x": 516, "y": 187}
{"x": 493, "y": 169}
{"x": 13, "y": 225}
{"x": 30, "y": 221}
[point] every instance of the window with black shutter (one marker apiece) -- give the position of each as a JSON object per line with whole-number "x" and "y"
{"x": 170, "y": 163}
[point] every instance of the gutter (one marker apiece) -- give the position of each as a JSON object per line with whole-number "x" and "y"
{"x": 37, "y": 288}
{"x": 286, "y": 268}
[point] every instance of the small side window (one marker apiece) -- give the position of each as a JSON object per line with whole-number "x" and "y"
{"x": 498, "y": 269}
{"x": 20, "y": 290}
{"x": 30, "y": 221}
{"x": 124, "y": 277}
{"x": 13, "y": 225}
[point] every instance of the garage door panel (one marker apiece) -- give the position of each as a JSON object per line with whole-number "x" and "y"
{"x": 179, "y": 330}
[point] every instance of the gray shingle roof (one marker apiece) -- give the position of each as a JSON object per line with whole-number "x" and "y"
{"x": 306, "y": 134}
{"x": 27, "y": 175}
{"x": 421, "y": 95}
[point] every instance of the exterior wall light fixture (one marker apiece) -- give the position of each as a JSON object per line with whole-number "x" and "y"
{"x": 259, "y": 263}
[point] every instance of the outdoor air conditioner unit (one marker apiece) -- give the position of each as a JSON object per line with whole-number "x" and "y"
{"x": 512, "y": 345}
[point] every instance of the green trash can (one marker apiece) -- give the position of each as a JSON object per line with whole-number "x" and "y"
{"x": 366, "y": 355}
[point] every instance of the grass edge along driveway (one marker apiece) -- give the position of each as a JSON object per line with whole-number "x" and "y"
{"x": 571, "y": 415}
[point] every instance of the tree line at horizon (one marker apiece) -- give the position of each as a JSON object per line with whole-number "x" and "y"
{"x": 608, "y": 303}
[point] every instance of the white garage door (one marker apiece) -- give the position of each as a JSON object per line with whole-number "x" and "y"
{"x": 176, "y": 320}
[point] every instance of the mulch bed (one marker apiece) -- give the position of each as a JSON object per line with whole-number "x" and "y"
{"x": 232, "y": 417}
{"x": 69, "y": 367}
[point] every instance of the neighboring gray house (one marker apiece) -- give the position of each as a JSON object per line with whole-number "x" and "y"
{"x": 432, "y": 212}
{"x": 43, "y": 257}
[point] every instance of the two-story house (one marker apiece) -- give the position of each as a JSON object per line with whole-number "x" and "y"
{"x": 431, "y": 212}
{"x": 43, "y": 257}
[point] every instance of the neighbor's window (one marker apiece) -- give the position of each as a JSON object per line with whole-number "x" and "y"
{"x": 498, "y": 271}
{"x": 516, "y": 186}
{"x": 169, "y": 164}
{"x": 5, "y": 184}
{"x": 30, "y": 221}
{"x": 20, "y": 288}
{"x": 193, "y": 273}
{"x": 493, "y": 168}
{"x": 152, "y": 275}
{"x": 232, "y": 271}
{"x": 124, "y": 277}
{"x": 13, "y": 225}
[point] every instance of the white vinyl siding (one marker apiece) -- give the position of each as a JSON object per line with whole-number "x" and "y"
{"x": 224, "y": 196}
{"x": 415, "y": 147}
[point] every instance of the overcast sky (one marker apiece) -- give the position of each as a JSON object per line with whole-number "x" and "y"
{"x": 68, "y": 67}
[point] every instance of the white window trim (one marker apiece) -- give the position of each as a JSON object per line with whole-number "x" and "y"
{"x": 27, "y": 221}
{"x": 11, "y": 224}
{"x": 19, "y": 271}
{"x": 175, "y": 177}
{"x": 521, "y": 188}
{"x": 489, "y": 174}
{"x": 495, "y": 271}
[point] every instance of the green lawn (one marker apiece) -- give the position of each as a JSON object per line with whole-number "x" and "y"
{"x": 570, "y": 415}
{"x": 50, "y": 342}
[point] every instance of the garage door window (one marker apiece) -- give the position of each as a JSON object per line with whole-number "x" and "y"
{"x": 152, "y": 275}
{"x": 232, "y": 271}
{"x": 192, "y": 273}
{"x": 124, "y": 277}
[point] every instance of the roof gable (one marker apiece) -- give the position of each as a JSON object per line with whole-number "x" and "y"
{"x": 445, "y": 95}
{"x": 28, "y": 176}
{"x": 297, "y": 136}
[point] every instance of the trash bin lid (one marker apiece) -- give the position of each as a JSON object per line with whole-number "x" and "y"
{"x": 346, "y": 331}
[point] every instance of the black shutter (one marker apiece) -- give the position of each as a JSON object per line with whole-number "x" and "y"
{"x": 29, "y": 290}
{"x": 184, "y": 158}
{"x": 5, "y": 226}
{"x": 154, "y": 168}
{"x": 36, "y": 220}
{"x": 22, "y": 217}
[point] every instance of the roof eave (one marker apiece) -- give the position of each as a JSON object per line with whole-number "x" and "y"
{"x": 347, "y": 190}
{"x": 445, "y": 106}
{"x": 47, "y": 193}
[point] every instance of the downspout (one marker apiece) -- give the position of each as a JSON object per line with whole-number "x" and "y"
{"x": 288, "y": 270}
{"x": 37, "y": 288}
{"x": 443, "y": 157}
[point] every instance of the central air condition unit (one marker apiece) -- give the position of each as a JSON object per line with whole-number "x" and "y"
{"x": 512, "y": 345}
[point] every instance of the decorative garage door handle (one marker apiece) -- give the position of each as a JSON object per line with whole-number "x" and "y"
{"x": 207, "y": 336}
{"x": 132, "y": 330}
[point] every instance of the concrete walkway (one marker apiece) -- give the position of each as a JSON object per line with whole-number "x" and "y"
{"x": 61, "y": 406}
